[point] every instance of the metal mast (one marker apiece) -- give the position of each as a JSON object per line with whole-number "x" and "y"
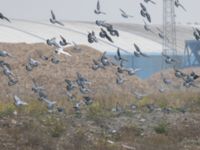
{"x": 169, "y": 28}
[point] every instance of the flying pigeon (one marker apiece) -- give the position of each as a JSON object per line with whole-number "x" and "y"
{"x": 178, "y": 4}
{"x": 118, "y": 57}
{"x": 168, "y": 59}
{"x": 53, "y": 42}
{"x": 61, "y": 51}
{"x": 139, "y": 96}
{"x": 131, "y": 71}
{"x": 70, "y": 96}
{"x": 97, "y": 65}
{"x": 87, "y": 100}
{"x": 4, "y": 18}
{"x": 53, "y": 19}
{"x": 19, "y": 102}
{"x": 76, "y": 47}
{"x": 138, "y": 52}
{"x": 91, "y": 37}
{"x": 98, "y": 9}
{"x": 146, "y": 27}
{"x": 50, "y": 104}
{"x": 146, "y": 1}
{"x": 124, "y": 14}
{"x": 63, "y": 41}
{"x": 103, "y": 34}
{"x": 70, "y": 85}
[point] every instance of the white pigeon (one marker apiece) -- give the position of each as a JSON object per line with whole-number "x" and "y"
{"x": 19, "y": 102}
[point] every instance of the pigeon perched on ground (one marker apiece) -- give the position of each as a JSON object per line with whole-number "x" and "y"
{"x": 5, "y": 54}
{"x": 124, "y": 14}
{"x": 98, "y": 9}
{"x": 103, "y": 34}
{"x": 178, "y": 4}
{"x": 19, "y": 102}
{"x": 138, "y": 52}
{"x": 53, "y": 19}
{"x": 4, "y": 18}
{"x": 165, "y": 80}
{"x": 146, "y": 1}
{"x": 92, "y": 38}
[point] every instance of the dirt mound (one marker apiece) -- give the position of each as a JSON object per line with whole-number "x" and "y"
{"x": 52, "y": 76}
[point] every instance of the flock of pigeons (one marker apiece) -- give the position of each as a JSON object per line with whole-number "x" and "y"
{"x": 106, "y": 31}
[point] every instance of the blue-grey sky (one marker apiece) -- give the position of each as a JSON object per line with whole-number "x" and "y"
{"x": 83, "y": 10}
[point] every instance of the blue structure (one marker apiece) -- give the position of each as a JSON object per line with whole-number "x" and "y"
{"x": 192, "y": 53}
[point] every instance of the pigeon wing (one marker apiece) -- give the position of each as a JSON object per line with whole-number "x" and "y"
{"x": 53, "y": 15}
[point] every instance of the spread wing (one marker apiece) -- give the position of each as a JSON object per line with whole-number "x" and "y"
{"x": 122, "y": 11}
{"x": 53, "y": 15}
{"x": 98, "y": 5}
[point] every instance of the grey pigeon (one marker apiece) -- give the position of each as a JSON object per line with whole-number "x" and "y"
{"x": 146, "y": 1}
{"x": 50, "y": 104}
{"x": 138, "y": 51}
{"x": 98, "y": 9}
{"x": 88, "y": 100}
{"x": 70, "y": 96}
{"x": 92, "y": 38}
{"x": 169, "y": 59}
{"x": 124, "y": 14}
{"x": 120, "y": 79}
{"x": 70, "y": 85}
{"x": 32, "y": 64}
{"x": 53, "y": 19}
{"x": 103, "y": 34}
{"x": 178, "y": 4}
{"x": 84, "y": 89}
{"x": 5, "y": 54}
{"x": 63, "y": 41}
{"x": 104, "y": 60}
{"x": 131, "y": 71}
{"x": 4, "y": 17}
{"x": 97, "y": 65}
